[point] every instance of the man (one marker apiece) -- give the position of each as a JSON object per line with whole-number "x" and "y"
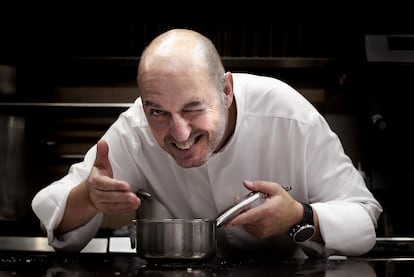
{"x": 196, "y": 138}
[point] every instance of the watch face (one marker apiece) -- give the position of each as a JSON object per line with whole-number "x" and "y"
{"x": 304, "y": 233}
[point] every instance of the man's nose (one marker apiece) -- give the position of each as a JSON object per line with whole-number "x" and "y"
{"x": 180, "y": 129}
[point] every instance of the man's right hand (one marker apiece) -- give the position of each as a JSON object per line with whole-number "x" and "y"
{"x": 98, "y": 193}
{"x": 106, "y": 194}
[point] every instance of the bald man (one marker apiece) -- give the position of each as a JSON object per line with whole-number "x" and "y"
{"x": 198, "y": 137}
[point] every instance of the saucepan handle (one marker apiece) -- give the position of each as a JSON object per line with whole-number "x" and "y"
{"x": 237, "y": 208}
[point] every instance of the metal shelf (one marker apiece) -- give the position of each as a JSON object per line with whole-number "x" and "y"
{"x": 81, "y": 109}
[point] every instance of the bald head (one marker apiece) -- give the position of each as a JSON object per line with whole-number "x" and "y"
{"x": 181, "y": 51}
{"x": 186, "y": 96}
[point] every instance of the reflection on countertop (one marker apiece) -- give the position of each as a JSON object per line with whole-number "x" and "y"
{"x": 131, "y": 265}
{"x": 113, "y": 256}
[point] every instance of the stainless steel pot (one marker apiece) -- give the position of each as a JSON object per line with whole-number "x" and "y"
{"x": 176, "y": 238}
{"x": 189, "y": 239}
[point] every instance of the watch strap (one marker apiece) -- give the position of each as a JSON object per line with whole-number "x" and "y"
{"x": 305, "y": 230}
{"x": 307, "y": 214}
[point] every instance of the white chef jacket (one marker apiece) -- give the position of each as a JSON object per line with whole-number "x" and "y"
{"x": 279, "y": 137}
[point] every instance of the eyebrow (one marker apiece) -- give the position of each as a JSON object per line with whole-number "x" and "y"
{"x": 151, "y": 104}
{"x": 191, "y": 104}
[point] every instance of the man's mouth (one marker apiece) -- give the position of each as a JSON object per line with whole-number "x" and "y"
{"x": 187, "y": 144}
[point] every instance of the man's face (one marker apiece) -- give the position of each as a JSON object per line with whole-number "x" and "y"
{"x": 186, "y": 115}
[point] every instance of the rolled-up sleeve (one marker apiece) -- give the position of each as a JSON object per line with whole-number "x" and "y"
{"x": 49, "y": 206}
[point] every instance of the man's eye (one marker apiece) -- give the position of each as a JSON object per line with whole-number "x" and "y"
{"x": 194, "y": 111}
{"x": 156, "y": 112}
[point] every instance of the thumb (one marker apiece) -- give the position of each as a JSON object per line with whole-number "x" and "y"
{"x": 102, "y": 160}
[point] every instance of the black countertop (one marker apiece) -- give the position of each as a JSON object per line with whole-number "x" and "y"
{"x": 113, "y": 256}
{"x": 31, "y": 264}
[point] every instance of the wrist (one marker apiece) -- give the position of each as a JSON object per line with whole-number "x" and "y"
{"x": 84, "y": 190}
{"x": 305, "y": 229}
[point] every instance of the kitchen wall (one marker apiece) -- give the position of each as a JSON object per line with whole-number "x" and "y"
{"x": 75, "y": 55}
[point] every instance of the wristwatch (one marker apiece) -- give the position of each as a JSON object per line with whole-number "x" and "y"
{"x": 305, "y": 230}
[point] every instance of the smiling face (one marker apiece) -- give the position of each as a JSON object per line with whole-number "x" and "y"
{"x": 186, "y": 115}
{"x": 187, "y": 109}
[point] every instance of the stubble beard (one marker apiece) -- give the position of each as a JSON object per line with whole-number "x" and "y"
{"x": 213, "y": 143}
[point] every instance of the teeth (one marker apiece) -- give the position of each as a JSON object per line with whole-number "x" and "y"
{"x": 185, "y": 145}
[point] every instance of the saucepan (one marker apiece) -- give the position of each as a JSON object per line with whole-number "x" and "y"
{"x": 184, "y": 239}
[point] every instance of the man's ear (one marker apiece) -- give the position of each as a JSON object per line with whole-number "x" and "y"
{"x": 228, "y": 89}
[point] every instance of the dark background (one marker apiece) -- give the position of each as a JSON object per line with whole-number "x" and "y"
{"x": 80, "y": 53}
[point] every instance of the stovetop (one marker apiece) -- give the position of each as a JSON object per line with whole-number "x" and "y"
{"x": 113, "y": 245}
{"x": 31, "y": 256}
{"x": 27, "y": 264}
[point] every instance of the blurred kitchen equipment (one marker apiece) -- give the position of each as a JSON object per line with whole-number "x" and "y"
{"x": 7, "y": 79}
{"x": 13, "y": 187}
{"x": 188, "y": 239}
